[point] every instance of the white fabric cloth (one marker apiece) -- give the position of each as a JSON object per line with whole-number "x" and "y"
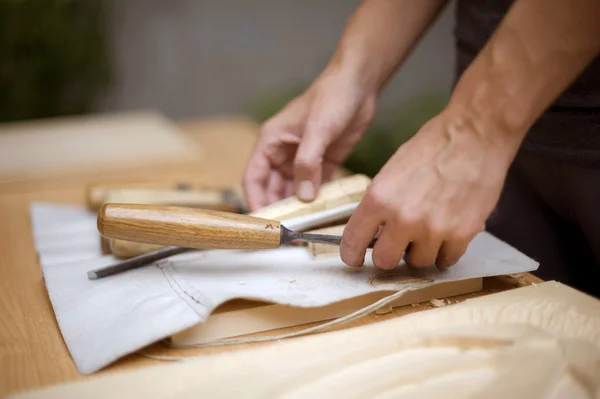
{"x": 103, "y": 320}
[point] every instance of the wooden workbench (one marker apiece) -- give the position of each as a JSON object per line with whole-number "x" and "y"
{"x": 32, "y": 352}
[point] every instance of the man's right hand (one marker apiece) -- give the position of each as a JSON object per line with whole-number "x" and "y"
{"x": 300, "y": 147}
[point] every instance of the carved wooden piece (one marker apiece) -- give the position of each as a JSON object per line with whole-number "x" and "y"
{"x": 535, "y": 342}
{"x": 333, "y": 194}
{"x": 240, "y": 318}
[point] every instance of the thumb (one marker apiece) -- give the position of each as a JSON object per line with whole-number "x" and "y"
{"x": 308, "y": 163}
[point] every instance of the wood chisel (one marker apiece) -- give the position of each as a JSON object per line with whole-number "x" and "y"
{"x": 183, "y": 229}
{"x": 197, "y": 197}
{"x": 332, "y": 195}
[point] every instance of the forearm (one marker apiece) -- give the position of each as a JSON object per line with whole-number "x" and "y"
{"x": 536, "y": 53}
{"x": 379, "y": 37}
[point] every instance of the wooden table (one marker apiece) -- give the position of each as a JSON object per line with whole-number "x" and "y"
{"x": 32, "y": 351}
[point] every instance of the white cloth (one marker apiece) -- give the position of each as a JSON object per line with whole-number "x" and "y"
{"x": 106, "y": 319}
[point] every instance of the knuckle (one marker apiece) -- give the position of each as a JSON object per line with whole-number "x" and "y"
{"x": 348, "y": 251}
{"x": 304, "y": 162}
{"x": 350, "y": 258}
{"x": 384, "y": 260}
{"x": 419, "y": 261}
{"x": 408, "y": 215}
{"x": 466, "y": 234}
{"x": 437, "y": 228}
{"x": 269, "y": 127}
{"x": 451, "y": 256}
{"x": 349, "y": 240}
{"x": 376, "y": 197}
{"x": 446, "y": 263}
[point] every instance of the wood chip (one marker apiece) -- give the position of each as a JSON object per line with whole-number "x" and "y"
{"x": 385, "y": 310}
{"x": 438, "y": 303}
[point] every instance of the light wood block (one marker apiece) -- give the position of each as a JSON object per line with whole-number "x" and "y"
{"x": 240, "y": 318}
{"x": 73, "y": 146}
{"x": 531, "y": 342}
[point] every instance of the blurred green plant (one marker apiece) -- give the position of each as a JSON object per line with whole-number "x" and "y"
{"x": 390, "y": 129}
{"x": 53, "y": 57}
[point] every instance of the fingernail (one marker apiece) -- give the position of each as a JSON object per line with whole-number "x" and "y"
{"x": 306, "y": 190}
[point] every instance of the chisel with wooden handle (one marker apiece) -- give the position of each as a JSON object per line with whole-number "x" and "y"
{"x": 183, "y": 229}
{"x": 198, "y": 228}
{"x": 205, "y": 198}
{"x": 333, "y": 194}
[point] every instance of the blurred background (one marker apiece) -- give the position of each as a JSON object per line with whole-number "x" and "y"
{"x": 192, "y": 59}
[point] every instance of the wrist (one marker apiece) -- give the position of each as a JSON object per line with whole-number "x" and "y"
{"x": 353, "y": 66}
{"x": 486, "y": 104}
{"x": 351, "y": 77}
{"x": 471, "y": 121}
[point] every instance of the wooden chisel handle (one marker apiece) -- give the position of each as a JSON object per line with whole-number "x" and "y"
{"x": 187, "y": 227}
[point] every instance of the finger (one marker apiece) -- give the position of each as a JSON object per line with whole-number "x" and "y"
{"x": 288, "y": 189}
{"x": 329, "y": 170}
{"x": 358, "y": 233}
{"x": 390, "y": 247}
{"x": 424, "y": 249}
{"x": 256, "y": 179}
{"x": 275, "y": 187}
{"x": 308, "y": 168}
{"x": 453, "y": 249}
{"x": 450, "y": 253}
{"x": 308, "y": 163}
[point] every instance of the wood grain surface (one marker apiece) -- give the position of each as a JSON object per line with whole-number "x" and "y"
{"x": 50, "y": 149}
{"x": 32, "y": 351}
{"x": 98, "y": 195}
{"x": 194, "y": 198}
{"x": 187, "y": 227}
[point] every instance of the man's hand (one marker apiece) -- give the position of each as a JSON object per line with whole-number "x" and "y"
{"x": 301, "y": 147}
{"x": 440, "y": 187}
{"x": 436, "y": 192}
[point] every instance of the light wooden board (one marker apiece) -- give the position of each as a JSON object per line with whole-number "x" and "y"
{"x": 538, "y": 341}
{"x": 70, "y": 146}
{"x": 240, "y": 318}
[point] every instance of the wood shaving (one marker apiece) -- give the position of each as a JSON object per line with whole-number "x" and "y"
{"x": 438, "y": 303}
{"x": 384, "y": 310}
{"x": 396, "y": 277}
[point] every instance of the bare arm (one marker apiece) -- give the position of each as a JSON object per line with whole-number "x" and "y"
{"x": 439, "y": 188}
{"x": 538, "y": 50}
{"x": 304, "y": 143}
{"x": 379, "y": 37}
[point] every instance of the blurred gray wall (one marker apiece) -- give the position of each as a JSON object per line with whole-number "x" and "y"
{"x": 190, "y": 58}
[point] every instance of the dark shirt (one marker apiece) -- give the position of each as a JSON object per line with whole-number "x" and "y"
{"x": 570, "y": 128}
